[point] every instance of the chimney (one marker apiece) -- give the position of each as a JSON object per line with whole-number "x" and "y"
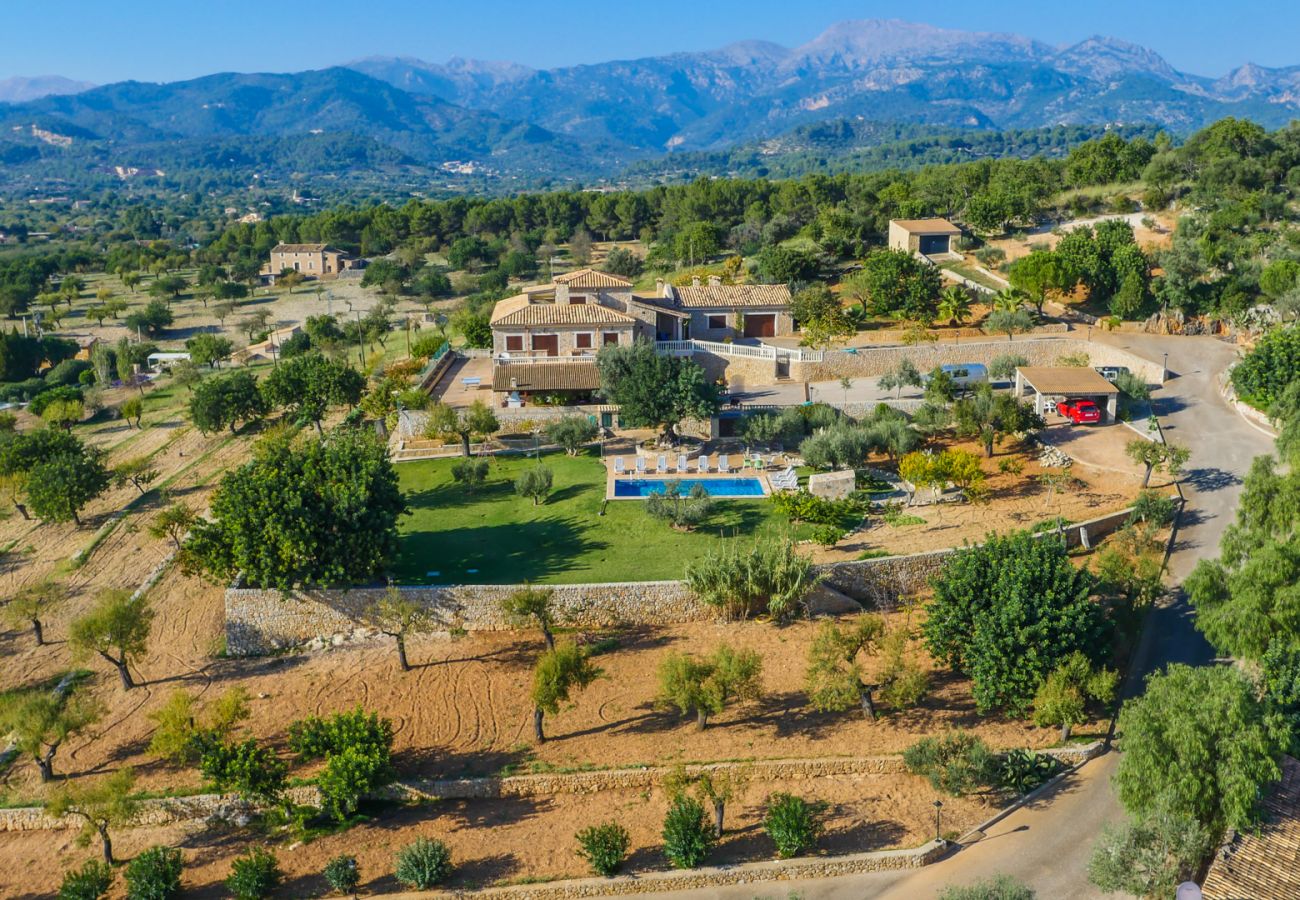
{"x": 661, "y": 289}
{"x": 695, "y": 281}
{"x": 715, "y": 280}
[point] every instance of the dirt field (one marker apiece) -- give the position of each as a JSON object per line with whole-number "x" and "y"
{"x": 1015, "y": 502}
{"x": 531, "y": 838}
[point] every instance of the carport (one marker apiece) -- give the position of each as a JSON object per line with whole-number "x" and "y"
{"x": 1052, "y": 383}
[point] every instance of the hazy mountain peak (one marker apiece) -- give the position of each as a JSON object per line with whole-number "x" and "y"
{"x": 20, "y": 88}
{"x": 1106, "y": 57}
{"x": 860, "y": 42}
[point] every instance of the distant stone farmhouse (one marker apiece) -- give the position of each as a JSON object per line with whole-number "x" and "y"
{"x": 312, "y": 260}
{"x": 929, "y": 237}
{"x": 545, "y": 339}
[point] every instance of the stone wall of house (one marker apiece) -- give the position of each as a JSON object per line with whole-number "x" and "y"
{"x": 264, "y": 621}
{"x": 876, "y": 361}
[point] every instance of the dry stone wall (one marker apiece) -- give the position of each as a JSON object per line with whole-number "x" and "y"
{"x": 265, "y": 621}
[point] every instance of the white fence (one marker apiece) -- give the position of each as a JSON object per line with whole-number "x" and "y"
{"x": 749, "y": 351}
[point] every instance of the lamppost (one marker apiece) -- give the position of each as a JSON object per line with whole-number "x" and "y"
{"x": 938, "y": 805}
{"x": 1164, "y": 367}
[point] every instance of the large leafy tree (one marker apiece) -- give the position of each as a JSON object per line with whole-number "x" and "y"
{"x": 224, "y": 401}
{"x": 1200, "y": 743}
{"x": 61, "y": 483}
{"x": 310, "y": 384}
{"x": 1008, "y": 612}
{"x": 653, "y": 389}
{"x": 900, "y": 284}
{"x": 306, "y": 512}
{"x": 1248, "y": 600}
{"x": 820, "y": 315}
{"x": 1040, "y": 272}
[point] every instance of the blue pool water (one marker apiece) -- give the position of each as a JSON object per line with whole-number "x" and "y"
{"x": 716, "y": 487}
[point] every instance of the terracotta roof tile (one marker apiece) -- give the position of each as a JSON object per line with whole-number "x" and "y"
{"x": 510, "y": 312}
{"x": 1263, "y": 866}
{"x": 732, "y": 296}
{"x": 547, "y": 376}
{"x": 1067, "y": 380}
{"x": 590, "y": 278}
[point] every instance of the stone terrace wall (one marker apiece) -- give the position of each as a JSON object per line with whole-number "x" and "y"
{"x": 876, "y": 361}
{"x": 262, "y": 621}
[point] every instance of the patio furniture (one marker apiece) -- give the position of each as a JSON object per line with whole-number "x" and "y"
{"x": 724, "y": 465}
{"x": 683, "y": 463}
{"x": 662, "y": 465}
{"x": 640, "y": 465}
{"x": 786, "y": 480}
{"x": 702, "y": 464}
{"x": 618, "y": 465}
{"x": 471, "y": 381}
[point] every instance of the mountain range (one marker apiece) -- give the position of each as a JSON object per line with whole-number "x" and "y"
{"x": 593, "y": 120}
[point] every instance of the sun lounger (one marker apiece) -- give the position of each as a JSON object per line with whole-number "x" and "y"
{"x": 640, "y": 465}
{"x": 662, "y": 466}
{"x": 618, "y": 465}
{"x": 683, "y": 463}
{"x": 702, "y": 464}
{"x": 724, "y": 465}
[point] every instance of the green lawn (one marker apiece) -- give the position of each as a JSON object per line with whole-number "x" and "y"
{"x": 509, "y": 541}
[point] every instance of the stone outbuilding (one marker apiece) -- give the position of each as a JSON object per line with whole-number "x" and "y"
{"x": 1049, "y": 384}
{"x": 928, "y": 237}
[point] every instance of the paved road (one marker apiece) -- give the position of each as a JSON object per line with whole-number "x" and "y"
{"x": 1047, "y": 844}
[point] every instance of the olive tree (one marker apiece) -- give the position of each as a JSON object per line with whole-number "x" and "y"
{"x": 101, "y": 804}
{"x": 557, "y": 675}
{"x": 708, "y": 686}
{"x": 116, "y": 628}
{"x": 398, "y": 616}
{"x": 39, "y": 722}
{"x": 29, "y": 605}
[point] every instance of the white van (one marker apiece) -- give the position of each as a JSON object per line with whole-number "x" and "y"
{"x": 966, "y": 375}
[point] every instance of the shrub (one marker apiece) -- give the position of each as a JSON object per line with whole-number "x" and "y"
{"x": 423, "y": 864}
{"x": 957, "y": 763}
{"x": 349, "y": 775}
{"x": 999, "y": 887}
{"x": 792, "y": 823}
{"x": 769, "y": 576}
{"x": 828, "y": 535}
{"x": 342, "y": 875}
{"x": 255, "y": 772}
{"x": 46, "y": 398}
{"x": 426, "y": 345}
{"x": 1023, "y": 770}
{"x": 688, "y": 835}
{"x": 315, "y": 737}
{"x": 154, "y": 875}
{"x": 254, "y": 875}
{"x": 604, "y": 847}
{"x": 90, "y": 882}
{"x": 802, "y": 506}
{"x": 470, "y": 472}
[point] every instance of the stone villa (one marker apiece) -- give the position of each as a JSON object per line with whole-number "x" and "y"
{"x": 312, "y": 260}
{"x": 545, "y": 339}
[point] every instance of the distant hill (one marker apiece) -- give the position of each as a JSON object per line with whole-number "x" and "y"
{"x": 877, "y": 70}
{"x": 852, "y": 97}
{"x": 21, "y": 89}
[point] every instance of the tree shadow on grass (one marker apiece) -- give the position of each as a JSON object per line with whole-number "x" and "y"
{"x": 502, "y": 554}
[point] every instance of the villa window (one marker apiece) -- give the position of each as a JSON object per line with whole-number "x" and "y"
{"x": 514, "y": 342}
{"x": 582, "y": 340}
{"x": 609, "y": 338}
{"x": 717, "y": 322}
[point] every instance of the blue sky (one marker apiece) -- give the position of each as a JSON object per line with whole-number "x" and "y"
{"x": 102, "y": 41}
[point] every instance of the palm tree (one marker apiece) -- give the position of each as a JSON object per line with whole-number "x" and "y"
{"x": 1009, "y": 300}
{"x": 955, "y": 305}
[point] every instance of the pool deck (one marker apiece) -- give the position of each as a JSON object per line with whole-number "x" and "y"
{"x": 651, "y": 471}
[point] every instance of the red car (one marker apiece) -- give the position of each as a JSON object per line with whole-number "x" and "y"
{"x": 1080, "y": 412}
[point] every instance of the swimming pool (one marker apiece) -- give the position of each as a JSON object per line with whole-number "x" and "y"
{"x": 716, "y": 487}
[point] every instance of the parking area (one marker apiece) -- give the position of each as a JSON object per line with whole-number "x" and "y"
{"x": 1096, "y": 446}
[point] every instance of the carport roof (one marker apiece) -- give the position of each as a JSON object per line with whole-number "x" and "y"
{"x": 546, "y": 376}
{"x": 1066, "y": 380}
